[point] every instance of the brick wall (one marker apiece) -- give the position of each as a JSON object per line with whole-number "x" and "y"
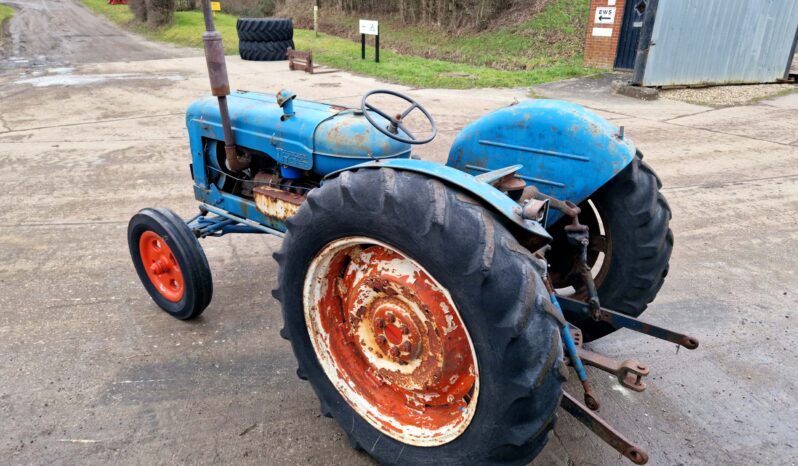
{"x": 600, "y": 50}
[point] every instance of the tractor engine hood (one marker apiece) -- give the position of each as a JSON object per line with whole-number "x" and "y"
{"x": 302, "y": 134}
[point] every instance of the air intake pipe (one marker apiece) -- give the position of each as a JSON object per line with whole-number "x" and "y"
{"x": 220, "y": 86}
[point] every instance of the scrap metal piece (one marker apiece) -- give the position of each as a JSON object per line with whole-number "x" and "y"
{"x": 629, "y": 373}
{"x": 600, "y": 427}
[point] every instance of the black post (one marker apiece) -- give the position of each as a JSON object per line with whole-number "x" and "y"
{"x": 362, "y": 46}
{"x": 377, "y": 48}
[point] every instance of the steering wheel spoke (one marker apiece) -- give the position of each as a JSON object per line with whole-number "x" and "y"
{"x": 396, "y": 122}
{"x": 409, "y": 109}
{"x": 379, "y": 112}
{"x": 406, "y": 131}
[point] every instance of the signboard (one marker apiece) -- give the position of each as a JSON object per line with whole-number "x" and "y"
{"x": 216, "y": 6}
{"x": 371, "y": 28}
{"x": 605, "y": 15}
{"x": 602, "y": 32}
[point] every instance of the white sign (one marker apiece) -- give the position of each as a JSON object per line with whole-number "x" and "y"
{"x": 371, "y": 28}
{"x": 602, "y": 32}
{"x": 605, "y": 15}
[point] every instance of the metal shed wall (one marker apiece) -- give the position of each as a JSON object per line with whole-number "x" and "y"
{"x": 717, "y": 41}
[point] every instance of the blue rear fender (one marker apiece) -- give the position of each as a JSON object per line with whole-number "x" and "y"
{"x": 567, "y": 151}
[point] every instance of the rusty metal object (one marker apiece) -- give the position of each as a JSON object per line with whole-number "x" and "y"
{"x": 566, "y": 207}
{"x": 276, "y": 203}
{"x": 629, "y": 373}
{"x": 220, "y": 86}
{"x": 510, "y": 183}
{"x": 302, "y": 61}
{"x": 572, "y": 350}
{"x": 535, "y": 210}
{"x": 575, "y": 310}
{"x": 579, "y": 235}
{"x": 619, "y": 320}
{"x": 600, "y": 427}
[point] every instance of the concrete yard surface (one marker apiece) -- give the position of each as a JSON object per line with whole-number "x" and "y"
{"x": 92, "y": 372}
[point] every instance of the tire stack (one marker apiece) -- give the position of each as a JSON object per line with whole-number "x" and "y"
{"x": 265, "y": 39}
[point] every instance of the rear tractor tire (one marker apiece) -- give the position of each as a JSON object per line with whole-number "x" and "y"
{"x": 170, "y": 262}
{"x": 630, "y": 262}
{"x": 265, "y": 51}
{"x": 420, "y": 322}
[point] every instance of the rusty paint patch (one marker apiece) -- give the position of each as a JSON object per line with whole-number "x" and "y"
{"x": 391, "y": 340}
{"x": 277, "y": 203}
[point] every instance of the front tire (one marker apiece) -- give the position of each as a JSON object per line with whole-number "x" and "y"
{"x": 496, "y": 295}
{"x": 170, "y": 262}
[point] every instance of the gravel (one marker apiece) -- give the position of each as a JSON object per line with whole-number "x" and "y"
{"x": 725, "y": 96}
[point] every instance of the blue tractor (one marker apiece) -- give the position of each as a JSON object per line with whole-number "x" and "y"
{"x": 433, "y": 308}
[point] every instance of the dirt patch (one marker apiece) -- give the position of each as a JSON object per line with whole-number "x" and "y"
{"x": 519, "y": 12}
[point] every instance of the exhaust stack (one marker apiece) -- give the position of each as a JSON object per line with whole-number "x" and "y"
{"x": 220, "y": 85}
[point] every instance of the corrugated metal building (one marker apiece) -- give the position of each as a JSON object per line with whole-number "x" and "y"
{"x": 690, "y": 42}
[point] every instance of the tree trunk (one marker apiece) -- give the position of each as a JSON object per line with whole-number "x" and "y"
{"x": 139, "y": 9}
{"x": 160, "y": 13}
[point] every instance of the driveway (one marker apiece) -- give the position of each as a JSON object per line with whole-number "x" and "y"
{"x": 93, "y": 373}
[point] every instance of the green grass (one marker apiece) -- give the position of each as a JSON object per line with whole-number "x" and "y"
{"x": 552, "y": 38}
{"x": 478, "y": 60}
{"x": 6, "y": 12}
{"x": 186, "y": 30}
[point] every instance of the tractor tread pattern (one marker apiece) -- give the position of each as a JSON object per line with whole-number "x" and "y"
{"x": 265, "y": 51}
{"x": 633, "y": 203}
{"x": 265, "y": 29}
{"x": 517, "y": 341}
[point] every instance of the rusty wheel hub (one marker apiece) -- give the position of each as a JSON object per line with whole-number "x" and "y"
{"x": 391, "y": 340}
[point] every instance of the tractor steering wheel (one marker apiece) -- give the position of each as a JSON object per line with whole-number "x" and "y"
{"x": 395, "y": 122}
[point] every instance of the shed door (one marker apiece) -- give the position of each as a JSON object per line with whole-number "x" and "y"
{"x": 633, "y": 15}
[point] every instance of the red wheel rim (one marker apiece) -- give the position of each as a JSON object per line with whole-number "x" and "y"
{"x": 391, "y": 341}
{"x": 161, "y": 266}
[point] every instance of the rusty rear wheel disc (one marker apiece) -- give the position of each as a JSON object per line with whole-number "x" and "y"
{"x": 391, "y": 341}
{"x": 161, "y": 266}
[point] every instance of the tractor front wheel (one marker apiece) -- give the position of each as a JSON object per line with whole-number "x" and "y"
{"x": 420, "y": 322}
{"x": 170, "y": 262}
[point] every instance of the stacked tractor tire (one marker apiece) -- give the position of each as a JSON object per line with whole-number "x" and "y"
{"x": 265, "y": 39}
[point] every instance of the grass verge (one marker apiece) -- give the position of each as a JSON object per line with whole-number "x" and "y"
{"x": 6, "y": 12}
{"x": 406, "y": 69}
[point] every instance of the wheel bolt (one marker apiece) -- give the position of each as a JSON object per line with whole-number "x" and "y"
{"x": 395, "y": 352}
{"x": 405, "y": 347}
{"x": 382, "y": 340}
{"x": 158, "y": 267}
{"x": 380, "y": 323}
{"x": 405, "y": 330}
{"x": 391, "y": 317}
